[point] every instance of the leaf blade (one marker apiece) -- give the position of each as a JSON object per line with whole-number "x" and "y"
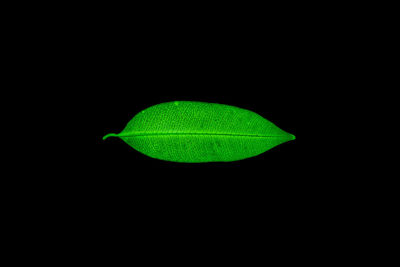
{"x": 187, "y": 131}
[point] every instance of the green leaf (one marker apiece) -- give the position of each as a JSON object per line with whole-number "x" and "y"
{"x": 186, "y": 131}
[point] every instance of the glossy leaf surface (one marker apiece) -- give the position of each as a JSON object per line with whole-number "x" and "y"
{"x": 187, "y": 131}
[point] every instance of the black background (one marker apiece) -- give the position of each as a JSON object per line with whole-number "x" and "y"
{"x": 277, "y": 62}
{"x": 271, "y": 66}
{"x": 87, "y": 69}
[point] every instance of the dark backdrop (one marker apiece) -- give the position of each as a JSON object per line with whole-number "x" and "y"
{"x": 272, "y": 64}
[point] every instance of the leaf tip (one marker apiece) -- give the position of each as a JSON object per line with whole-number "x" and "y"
{"x": 108, "y": 135}
{"x": 293, "y": 137}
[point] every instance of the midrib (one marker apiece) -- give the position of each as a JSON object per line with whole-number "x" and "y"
{"x": 201, "y": 134}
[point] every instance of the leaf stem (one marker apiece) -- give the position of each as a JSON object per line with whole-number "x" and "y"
{"x": 110, "y": 134}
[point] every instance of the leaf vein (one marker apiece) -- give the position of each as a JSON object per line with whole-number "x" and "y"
{"x": 198, "y": 134}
